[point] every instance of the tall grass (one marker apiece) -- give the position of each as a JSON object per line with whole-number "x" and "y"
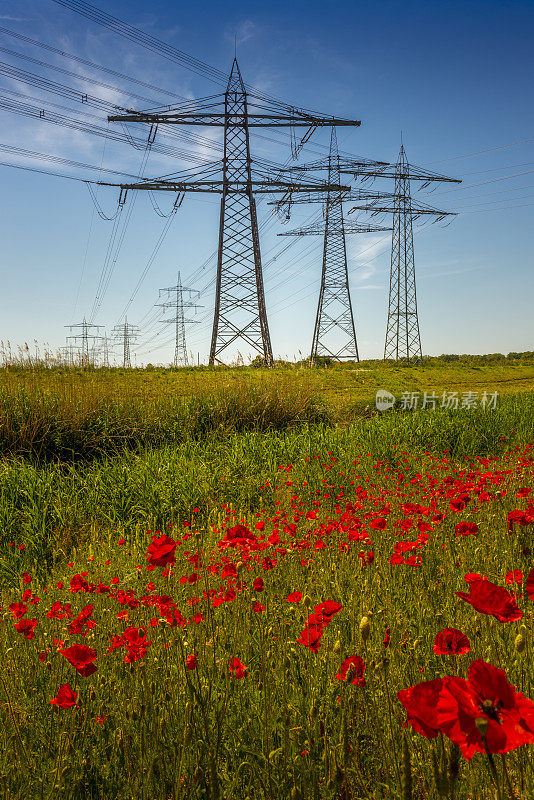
{"x": 61, "y": 425}
{"x": 52, "y": 507}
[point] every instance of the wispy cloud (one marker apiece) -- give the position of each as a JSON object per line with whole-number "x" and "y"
{"x": 242, "y": 32}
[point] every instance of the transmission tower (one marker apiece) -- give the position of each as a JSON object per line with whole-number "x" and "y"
{"x": 105, "y": 352}
{"x": 240, "y": 311}
{"x": 402, "y": 338}
{"x": 84, "y": 337}
{"x": 180, "y": 321}
{"x": 334, "y": 334}
{"x": 125, "y": 334}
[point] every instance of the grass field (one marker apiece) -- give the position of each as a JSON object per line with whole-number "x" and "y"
{"x": 269, "y": 562}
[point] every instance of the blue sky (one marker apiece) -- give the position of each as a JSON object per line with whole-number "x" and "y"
{"x": 454, "y": 77}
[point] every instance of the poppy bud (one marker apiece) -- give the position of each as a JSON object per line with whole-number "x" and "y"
{"x": 365, "y": 628}
{"x": 337, "y": 647}
{"x": 482, "y": 726}
{"x": 520, "y": 643}
{"x": 307, "y": 601}
{"x": 239, "y": 567}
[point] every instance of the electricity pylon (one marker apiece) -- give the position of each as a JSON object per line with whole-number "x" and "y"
{"x": 125, "y": 334}
{"x": 180, "y": 321}
{"x": 402, "y": 338}
{"x": 105, "y": 352}
{"x": 334, "y": 334}
{"x": 84, "y": 337}
{"x": 240, "y": 312}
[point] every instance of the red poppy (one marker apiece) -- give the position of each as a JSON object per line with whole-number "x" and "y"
{"x": 312, "y": 634}
{"x": 457, "y": 505}
{"x": 529, "y": 584}
{"x": 136, "y": 643}
{"x": 486, "y": 694}
{"x": 451, "y": 641}
{"x": 514, "y": 576}
{"x": 420, "y": 702}
{"x": 488, "y": 598}
{"x": 26, "y": 578}
{"x": 237, "y": 668}
{"x": 26, "y": 627}
{"x": 161, "y": 551}
{"x": 327, "y": 610}
{"x": 352, "y": 671}
{"x": 81, "y": 658}
{"x": 66, "y": 697}
{"x": 258, "y": 585}
{"x": 378, "y": 524}
{"x": 294, "y": 597}
{"x": 239, "y": 535}
{"x": 18, "y": 610}
{"x": 466, "y": 529}
{"x": 191, "y": 662}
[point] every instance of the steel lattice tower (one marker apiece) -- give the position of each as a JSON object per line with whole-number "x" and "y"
{"x": 84, "y": 337}
{"x": 334, "y": 309}
{"x": 127, "y": 333}
{"x": 240, "y": 312}
{"x": 403, "y": 339}
{"x": 239, "y": 297}
{"x": 180, "y": 321}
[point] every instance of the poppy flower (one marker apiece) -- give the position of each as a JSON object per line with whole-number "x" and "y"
{"x": 451, "y": 641}
{"x": 258, "y": 585}
{"x": 294, "y": 597}
{"x": 421, "y": 702}
{"x": 18, "y": 610}
{"x": 26, "y": 627}
{"x": 237, "y": 668}
{"x": 488, "y": 598}
{"x": 488, "y": 695}
{"x": 466, "y": 529}
{"x": 352, "y": 671}
{"x": 378, "y": 524}
{"x": 191, "y": 662}
{"x": 136, "y": 643}
{"x": 66, "y": 697}
{"x": 161, "y": 551}
{"x": 81, "y": 658}
{"x": 529, "y": 584}
{"x": 312, "y": 634}
{"x": 514, "y": 576}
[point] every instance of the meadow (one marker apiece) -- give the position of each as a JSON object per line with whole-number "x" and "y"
{"x": 251, "y": 584}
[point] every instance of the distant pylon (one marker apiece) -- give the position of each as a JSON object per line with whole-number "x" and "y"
{"x": 240, "y": 311}
{"x": 84, "y": 337}
{"x": 180, "y": 321}
{"x": 334, "y": 309}
{"x": 403, "y": 339}
{"x": 105, "y": 352}
{"x": 126, "y": 333}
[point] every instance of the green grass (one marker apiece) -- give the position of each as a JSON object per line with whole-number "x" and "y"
{"x": 92, "y": 459}
{"x": 54, "y": 414}
{"x": 52, "y": 507}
